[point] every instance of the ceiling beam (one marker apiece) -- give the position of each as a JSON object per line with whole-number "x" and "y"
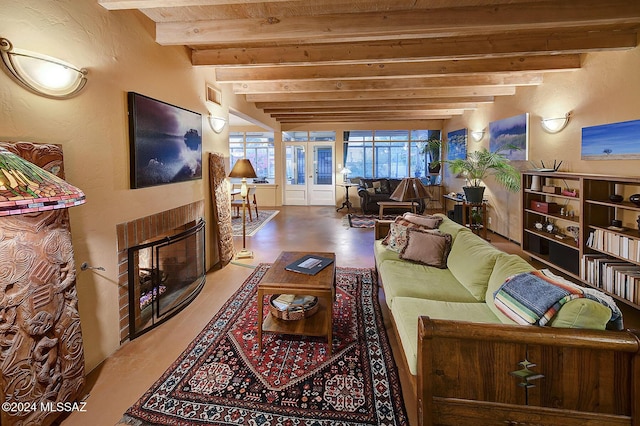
{"x": 353, "y": 108}
{"x": 405, "y": 50}
{"x": 415, "y": 112}
{"x": 361, "y": 117}
{"x": 152, "y": 4}
{"x": 397, "y": 69}
{"x": 529, "y": 79}
{"x": 414, "y": 102}
{"x": 404, "y": 24}
{"x": 392, "y": 94}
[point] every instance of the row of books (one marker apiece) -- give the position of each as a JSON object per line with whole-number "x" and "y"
{"x": 615, "y": 243}
{"x": 615, "y": 276}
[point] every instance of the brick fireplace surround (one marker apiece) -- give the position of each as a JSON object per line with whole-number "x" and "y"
{"x": 138, "y": 231}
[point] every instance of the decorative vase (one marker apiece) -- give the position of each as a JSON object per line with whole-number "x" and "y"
{"x": 474, "y": 194}
{"x": 616, "y": 198}
{"x": 535, "y": 183}
{"x": 635, "y": 199}
{"x": 434, "y": 169}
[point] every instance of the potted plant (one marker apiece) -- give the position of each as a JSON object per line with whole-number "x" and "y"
{"x": 480, "y": 164}
{"x": 433, "y": 147}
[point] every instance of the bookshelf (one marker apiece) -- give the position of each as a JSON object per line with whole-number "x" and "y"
{"x": 567, "y": 224}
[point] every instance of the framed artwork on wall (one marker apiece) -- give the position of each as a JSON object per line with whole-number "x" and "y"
{"x": 165, "y": 142}
{"x": 457, "y": 144}
{"x": 510, "y": 136}
{"x": 615, "y": 141}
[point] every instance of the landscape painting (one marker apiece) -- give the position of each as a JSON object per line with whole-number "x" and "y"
{"x": 457, "y": 144}
{"x": 616, "y": 141}
{"x": 510, "y": 136}
{"x": 165, "y": 142}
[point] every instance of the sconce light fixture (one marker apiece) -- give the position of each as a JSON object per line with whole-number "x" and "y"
{"x": 43, "y": 75}
{"x": 217, "y": 123}
{"x": 477, "y": 135}
{"x": 555, "y": 124}
{"x": 27, "y": 188}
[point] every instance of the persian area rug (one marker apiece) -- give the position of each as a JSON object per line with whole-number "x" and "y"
{"x": 366, "y": 220}
{"x": 264, "y": 216}
{"x": 222, "y": 378}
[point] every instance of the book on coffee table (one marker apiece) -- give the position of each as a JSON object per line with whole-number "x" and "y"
{"x": 309, "y": 264}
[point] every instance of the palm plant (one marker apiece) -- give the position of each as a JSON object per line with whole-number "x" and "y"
{"x": 480, "y": 164}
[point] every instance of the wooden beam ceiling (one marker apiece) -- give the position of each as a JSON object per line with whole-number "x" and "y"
{"x": 386, "y": 60}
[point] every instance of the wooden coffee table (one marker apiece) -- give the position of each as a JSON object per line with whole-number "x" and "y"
{"x": 277, "y": 280}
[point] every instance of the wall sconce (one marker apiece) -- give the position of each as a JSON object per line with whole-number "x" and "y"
{"x": 477, "y": 135}
{"x": 555, "y": 124}
{"x": 41, "y": 74}
{"x": 217, "y": 123}
{"x": 27, "y": 188}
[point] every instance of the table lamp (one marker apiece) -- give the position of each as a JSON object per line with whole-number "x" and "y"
{"x": 243, "y": 169}
{"x": 410, "y": 189}
{"x": 344, "y": 172}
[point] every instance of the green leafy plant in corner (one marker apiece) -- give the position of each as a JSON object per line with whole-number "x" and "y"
{"x": 433, "y": 146}
{"x": 480, "y": 164}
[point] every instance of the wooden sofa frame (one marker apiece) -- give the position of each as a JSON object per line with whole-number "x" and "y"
{"x": 493, "y": 374}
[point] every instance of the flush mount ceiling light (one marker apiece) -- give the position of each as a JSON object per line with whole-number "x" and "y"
{"x": 43, "y": 75}
{"x": 217, "y": 123}
{"x": 477, "y": 135}
{"x": 555, "y": 124}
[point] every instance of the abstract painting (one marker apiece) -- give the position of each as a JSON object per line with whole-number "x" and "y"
{"x": 616, "y": 141}
{"x": 457, "y": 144}
{"x": 510, "y": 136}
{"x": 165, "y": 142}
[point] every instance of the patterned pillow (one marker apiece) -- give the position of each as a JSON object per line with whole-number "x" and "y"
{"x": 427, "y": 247}
{"x": 427, "y": 221}
{"x": 396, "y": 239}
{"x": 407, "y": 223}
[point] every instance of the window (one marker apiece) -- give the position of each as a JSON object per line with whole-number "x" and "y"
{"x": 258, "y": 147}
{"x": 386, "y": 153}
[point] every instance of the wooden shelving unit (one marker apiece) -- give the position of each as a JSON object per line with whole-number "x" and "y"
{"x": 592, "y": 212}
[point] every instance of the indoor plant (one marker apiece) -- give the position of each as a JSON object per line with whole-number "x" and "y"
{"x": 480, "y": 164}
{"x": 433, "y": 147}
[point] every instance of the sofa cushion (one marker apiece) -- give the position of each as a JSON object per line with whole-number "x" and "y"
{"x": 428, "y": 221}
{"x": 427, "y": 247}
{"x": 382, "y": 254}
{"x": 448, "y": 226}
{"x": 471, "y": 261}
{"x": 406, "y": 310}
{"x": 402, "y": 278}
{"x": 396, "y": 239}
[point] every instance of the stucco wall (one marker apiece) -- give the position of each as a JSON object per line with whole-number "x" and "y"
{"x": 119, "y": 50}
{"x": 605, "y": 90}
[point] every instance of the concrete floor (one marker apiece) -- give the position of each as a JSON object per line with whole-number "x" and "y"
{"x": 121, "y": 379}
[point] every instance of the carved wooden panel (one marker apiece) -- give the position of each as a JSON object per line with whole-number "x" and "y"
{"x": 221, "y": 207}
{"x": 41, "y": 350}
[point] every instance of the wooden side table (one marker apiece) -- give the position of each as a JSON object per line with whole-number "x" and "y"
{"x": 347, "y": 202}
{"x": 408, "y": 205}
{"x": 478, "y": 228}
{"x": 278, "y": 280}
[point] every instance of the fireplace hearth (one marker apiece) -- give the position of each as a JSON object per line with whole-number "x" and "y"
{"x": 165, "y": 274}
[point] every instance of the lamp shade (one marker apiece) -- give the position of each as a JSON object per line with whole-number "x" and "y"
{"x": 27, "y": 188}
{"x": 243, "y": 169}
{"x": 410, "y": 189}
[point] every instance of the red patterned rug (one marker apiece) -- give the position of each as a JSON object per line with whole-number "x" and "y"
{"x": 222, "y": 379}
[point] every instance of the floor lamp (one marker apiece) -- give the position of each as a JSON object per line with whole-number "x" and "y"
{"x": 243, "y": 169}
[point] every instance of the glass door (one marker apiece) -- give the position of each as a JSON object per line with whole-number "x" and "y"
{"x": 309, "y": 174}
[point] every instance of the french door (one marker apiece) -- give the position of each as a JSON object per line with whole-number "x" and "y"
{"x": 309, "y": 174}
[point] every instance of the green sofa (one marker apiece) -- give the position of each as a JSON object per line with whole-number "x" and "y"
{"x": 464, "y": 290}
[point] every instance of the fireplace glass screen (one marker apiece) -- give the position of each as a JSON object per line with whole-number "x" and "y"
{"x": 164, "y": 276}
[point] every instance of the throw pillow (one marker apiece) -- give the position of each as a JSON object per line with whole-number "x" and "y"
{"x": 402, "y": 222}
{"x": 427, "y": 247}
{"x": 371, "y": 190}
{"x": 376, "y": 187}
{"x": 431, "y": 222}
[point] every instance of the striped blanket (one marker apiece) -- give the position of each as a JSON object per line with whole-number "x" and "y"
{"x": 535, "y": 297}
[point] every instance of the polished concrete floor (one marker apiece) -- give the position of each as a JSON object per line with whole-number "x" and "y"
{"x": 120, "y": 380}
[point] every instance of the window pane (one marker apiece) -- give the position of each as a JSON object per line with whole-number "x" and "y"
{"x": 359, "y": 159}
{"x": 391, "y": 135}
{"x": 295, "y": 136}
{"x": 322, "y": 136}
{"x": 391, "y": 159}
{"x": 358, "y": 135}
{"x": 295, "y": 165}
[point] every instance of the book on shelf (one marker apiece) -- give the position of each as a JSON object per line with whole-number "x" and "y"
{"x": 612, "y": 275}
{"x": 614, "y": 243}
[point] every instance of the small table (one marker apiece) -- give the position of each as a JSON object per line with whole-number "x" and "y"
{"x": 478, "y": 228}
{"x": 408, "y": 205}
{"x": 347, "y": 201}
{"x": 278, "y": 280}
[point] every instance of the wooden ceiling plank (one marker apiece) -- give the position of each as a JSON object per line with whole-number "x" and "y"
{"x": 152, "y": 4}
{"x": 364, "y": 26}
{"x": 398, "y": 69}
{"x": 420, "y": 49}
{"x": 417, "y": 102}
{"x": 528, "y": 79}
{"x": 361, "y": 118}
{"x": 392, "y": 94}
{"x": 441, "y": 107}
